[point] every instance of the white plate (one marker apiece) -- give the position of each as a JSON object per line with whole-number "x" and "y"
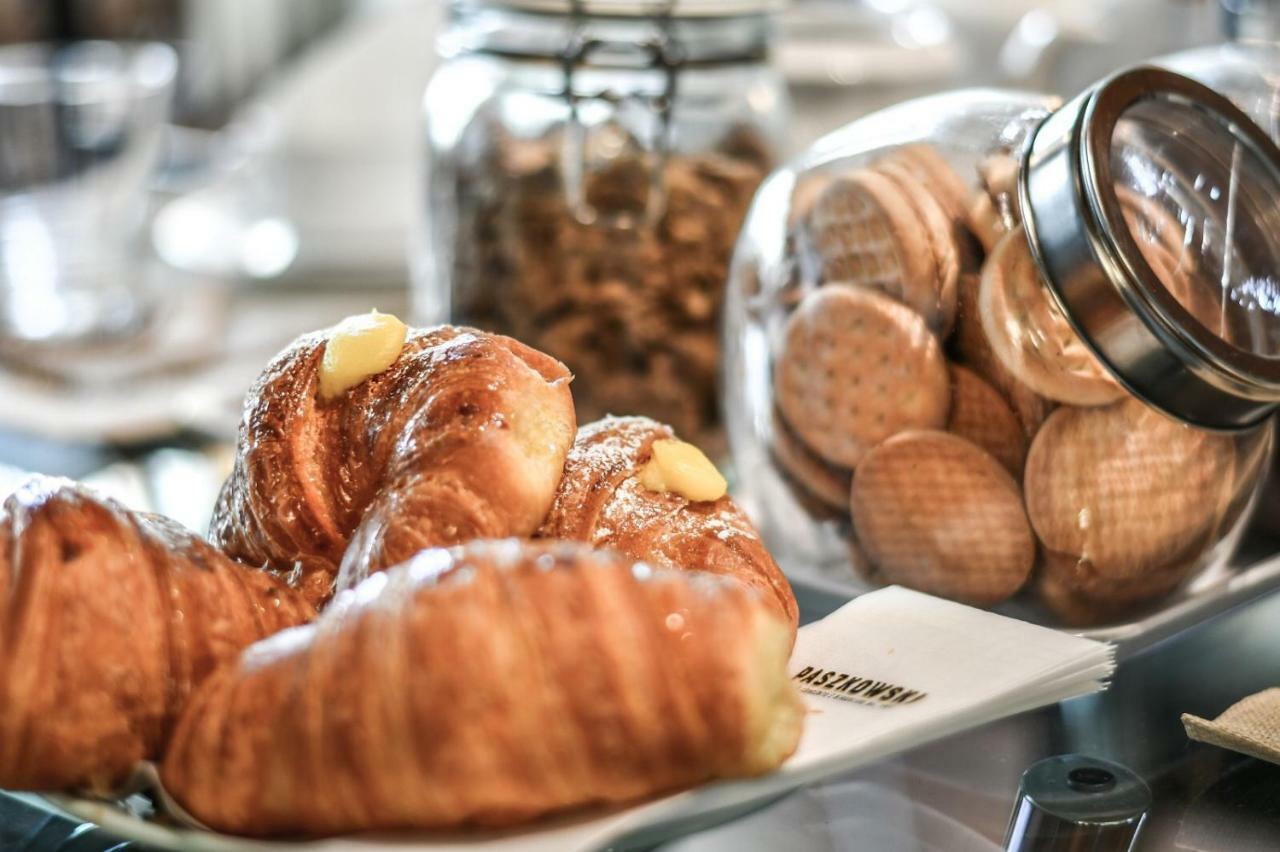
{"x": 630, "y": 827}
{"x": 889, "y": 635}
{"x": 676, "y": 816}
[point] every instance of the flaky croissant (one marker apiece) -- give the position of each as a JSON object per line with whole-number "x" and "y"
{"x": 108, "y": 620}
{"x": 489, "y": 684}
{"x": 462, "y": 437}
{"x": 602, "y": 501}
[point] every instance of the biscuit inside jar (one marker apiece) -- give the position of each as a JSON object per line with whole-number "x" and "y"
{"x": 866, "y": 230}
{"x": 1029, "y": 334}
{"x": 939, "y": 239}
{"x": 981, "y": 415}
{"x": 974, "y": 350}
{"x": 1063, "y": 475}
{"x": 856, "y": 368}
{"x": 1125, "y": 488}
{"x": 934, "y": 512}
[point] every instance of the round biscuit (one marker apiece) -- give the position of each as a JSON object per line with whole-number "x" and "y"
{"x": 980, "y": 414}
{"x": 998, "y": 176}
{"x": 937, "y": 513}
{"x": 1066, "y": 606}
{"x": 864, "y": 232}
{"x": 816, "y": 508}
{"x": 1067, "y": 586}
{"x": 816, "y": 480}
{"x": 856, "y": 367}
{"x": 1124, "y": 487}
{"x": 852, "y": 239}
{"x": 861, "y": 564}
{"x": 1031, "y": 337}
{"x": 941, "y": 181}
{"x": 938, "y": 177}
{"x": 1252, "y": 453}
{"x": 971, "y": 345}
{"x": 1081, "y": 577}
{"x": 806, "y": 191}
{"x": 940, "y": 236}
{"x": 992, "y": 211}
{"x": 984, "y": 221}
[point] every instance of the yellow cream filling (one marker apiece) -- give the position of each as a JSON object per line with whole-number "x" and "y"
{"x": 359, "y": 347}
{"x": 682, "y": 469}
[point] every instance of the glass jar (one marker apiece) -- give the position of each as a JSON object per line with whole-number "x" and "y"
{"x": 1246, "y": 69}
{"x": 1010, "y": 352}
{"x": 1247, "y": 72}
{"x": 589, "y": 167}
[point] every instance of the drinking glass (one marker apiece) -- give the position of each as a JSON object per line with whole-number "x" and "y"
{"x": 81, "y": 125}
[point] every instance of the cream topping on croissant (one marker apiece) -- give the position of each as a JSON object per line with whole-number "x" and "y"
{"x": 602, "y": 500}
{"x": 463, "y": 436}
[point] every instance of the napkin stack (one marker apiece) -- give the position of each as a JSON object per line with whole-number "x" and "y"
{"x": 896, "y": 668}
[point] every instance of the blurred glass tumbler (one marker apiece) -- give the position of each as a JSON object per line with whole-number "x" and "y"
{"x": 80, "y": 131}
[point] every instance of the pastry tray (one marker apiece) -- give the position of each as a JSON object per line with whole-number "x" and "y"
{"x": 1254, "y": 573}
{"x": 893, "y": 631}
{"x": 707, "y": 810}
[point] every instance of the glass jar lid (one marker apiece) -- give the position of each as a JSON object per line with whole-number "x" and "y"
{"x": 1152, "y": 207}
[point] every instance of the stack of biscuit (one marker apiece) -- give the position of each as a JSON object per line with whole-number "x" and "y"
{"x": 932, "y": 400}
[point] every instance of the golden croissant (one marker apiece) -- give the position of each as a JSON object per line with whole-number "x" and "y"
{"x": 108, "y": 620}
{"x": 602, "y": 501}
{"x": 463, "y": 436}
{"x": 487, "y": 685}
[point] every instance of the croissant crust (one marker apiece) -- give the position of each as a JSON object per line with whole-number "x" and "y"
{"x": 463, "y": 437}
{"x": 108, "y": 620}
{"x": 601, "y": 501}
{"x": 488, "y": 685}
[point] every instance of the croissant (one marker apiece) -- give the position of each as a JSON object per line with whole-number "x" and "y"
{"x": 602, "y": 501}
{"x": 108, "y": 620}
{"x": 462, "y": 437}
{"x": 487, "y": 685}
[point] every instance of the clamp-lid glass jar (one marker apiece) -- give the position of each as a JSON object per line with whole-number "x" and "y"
{"x": 589, "y": 166}
{"x": 1246, "y": 70}
{"x": 997, "y": 349}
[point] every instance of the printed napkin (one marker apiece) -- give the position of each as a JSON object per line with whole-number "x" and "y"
{"x": 890, "y": 670}
{"x": 895, "y": 668}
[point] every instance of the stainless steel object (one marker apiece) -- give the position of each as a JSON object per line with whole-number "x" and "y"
{"x": 1094, "y": 268}
{"x": 1072, "y": 803}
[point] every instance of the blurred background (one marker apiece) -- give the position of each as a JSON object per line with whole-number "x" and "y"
{"x": 187, "y": 184}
